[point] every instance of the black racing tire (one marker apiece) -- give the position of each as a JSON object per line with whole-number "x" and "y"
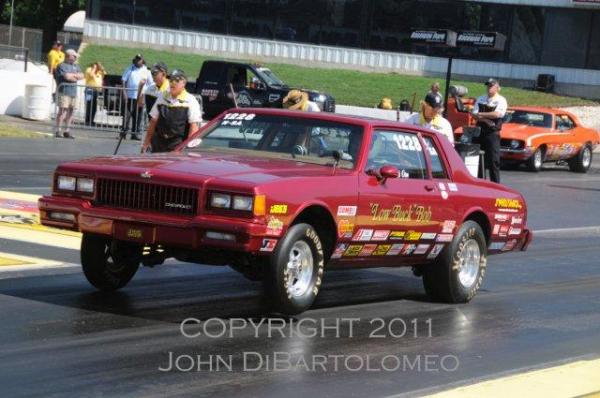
{"x": 450, "y": 279}
{"x": 582, "y": 161}
{"x": 109, "y": 264}
{"x": 292, "y": 290}
{"x": 536, "y": 161}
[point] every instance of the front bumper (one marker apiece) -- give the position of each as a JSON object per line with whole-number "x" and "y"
{"x": 149, "y": 228}
{"x": 515, "y": 154}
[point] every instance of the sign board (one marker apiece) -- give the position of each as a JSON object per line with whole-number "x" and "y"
{"x": 436, "y": 37}
{"x": 484, "y": 40}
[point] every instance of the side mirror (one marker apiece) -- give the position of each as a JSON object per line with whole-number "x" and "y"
{"x": 384, "y": 173}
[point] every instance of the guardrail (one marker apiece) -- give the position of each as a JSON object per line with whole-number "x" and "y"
{"x": 105, "y": 108}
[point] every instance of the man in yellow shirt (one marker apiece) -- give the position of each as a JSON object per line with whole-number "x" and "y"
{"x": 56, "y": 56}
{"x": 94, "y": 76}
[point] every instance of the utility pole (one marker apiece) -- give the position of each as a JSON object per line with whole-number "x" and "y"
{"x": 10, "y": 28}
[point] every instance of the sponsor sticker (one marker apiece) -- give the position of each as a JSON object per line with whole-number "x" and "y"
{"x": 452, "y": 187}
{"x": 514, "y": 231}
{"x": 501, "y": 217}
{"x": 422, "y": 249}
{"x": 444, "y": 194}
{"x": 346, "y": 211}
{"x": 345, "y": 228}
{"x": 435, "y": 251}
{"x": 516, "y": 220}
{"x": 381, "y": 250}
{"x": 268, "y": 245}
{"x": 508, "y": 203}
{"x": 380, "y": 235}
{"x": 428, "y": 236}
{"x": 395, "y": 249}
{"x": 339, "y": 250}
{"x": 278, "y": 209}
{"x": 497, "y": 245}
{"x": 397, "y": 235}
{"x": 274, "y": 226}
{"x": 448, "y": 226}
{"x": 510, "y": 245}
{"x": 496, "y": 229}
{"x": 503, "y": 230}
{"x": 401, "y": 214}
{"x": 412, "y": 235}
{"x": 363, "y": 234}
{"x": 194, "y": 143}
{"x": 367, "y": 250}
{"x": 444, "y": 238}
{"x": 442, "y": 186}
{"x": 408, "y": 249}
{"x": 353, "y": 250}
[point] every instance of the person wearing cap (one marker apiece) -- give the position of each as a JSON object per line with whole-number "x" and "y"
{"x": 135, "y": 76}
{"x": 56, "y": 56}
{"x": 175, "y": 115}
{"x": 159, "y": 85}
{"x": 297, "y": 100}
{"x": 489, "y": 110}
{"x": 431, "y": 116}
{"x": 67, "y": 74}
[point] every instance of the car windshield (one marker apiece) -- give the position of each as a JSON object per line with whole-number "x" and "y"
{"x": 269, "y": 77}
{"x": 302, "y": 140}
{"x": 529, "y": 118}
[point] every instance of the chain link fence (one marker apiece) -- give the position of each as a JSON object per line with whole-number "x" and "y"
{"x": 23, "y": 38}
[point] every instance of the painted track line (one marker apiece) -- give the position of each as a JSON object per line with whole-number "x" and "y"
{"x": 588, "y": 231}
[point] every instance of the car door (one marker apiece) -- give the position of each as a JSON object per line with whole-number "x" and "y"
{"x": 398, "y": 219}
{"x": 564, "y": 144}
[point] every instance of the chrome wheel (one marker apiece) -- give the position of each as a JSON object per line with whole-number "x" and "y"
{"x": 537, "y": 159}
{"x": 299, "y": 269}
{"x": 469, "y": 257}
{"x": 586, "y": 157}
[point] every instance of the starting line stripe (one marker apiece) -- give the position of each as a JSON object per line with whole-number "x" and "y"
{"x": 570, "y": 380}
{"x": 40, "y": 237}
{"x": 11, "y": 260}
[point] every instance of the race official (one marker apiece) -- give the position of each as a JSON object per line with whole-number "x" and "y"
{"x": 431, "y": 116}
{"x": 489, "y": 110}
{"x": 175, "y": 115}
{"x": 159, "y": 85}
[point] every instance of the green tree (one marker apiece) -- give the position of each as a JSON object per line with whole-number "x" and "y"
{"x": 48, "y": 15}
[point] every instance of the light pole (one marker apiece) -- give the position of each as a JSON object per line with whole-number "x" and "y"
{"x": 12, "y": 11}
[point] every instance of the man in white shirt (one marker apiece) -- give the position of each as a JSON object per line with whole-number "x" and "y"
{"x": 175, "y": 116}
{"x": 431, "y": 116}
{"x": 489, "y": 110}
{"x": 134, "y": 77}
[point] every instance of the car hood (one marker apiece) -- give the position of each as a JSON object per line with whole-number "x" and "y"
{"x": 513, "y": 131}
{"x": 207, "y": 165}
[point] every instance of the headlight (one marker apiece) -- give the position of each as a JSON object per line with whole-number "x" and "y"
{"x": 515, "y": 144}
{"x": 242, "y": 203}
{"x": 66, "y": 183}
{"x": 220, "y": 200}
{"x": 85, "y": 185}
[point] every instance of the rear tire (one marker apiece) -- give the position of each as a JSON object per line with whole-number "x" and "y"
{"x": 109, "y": 264}
{"x": 582, "y": 161}
{"x": 296, "y": 270}
{"x": 535, "y": 162}
{"x": 458, "y": 272}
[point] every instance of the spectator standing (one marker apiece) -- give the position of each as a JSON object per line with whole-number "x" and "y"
{"x": 431, "y": 116}
{"x": 56, "y": 56}
{"x": 489, "y": 110}
{"x": 94, "y": 78}
{"x": 435, "y": 90}
{"x": 160, "y": 85}
{"x": 67, "y": 74}
{"x": 175, "y": 116}
{"x": 135, "y": 76}
{"x": 297, "y": 100}
{"x": 385, "y": 103}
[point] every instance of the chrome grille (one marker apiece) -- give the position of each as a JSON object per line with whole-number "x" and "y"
{"x": 146, "y": 197}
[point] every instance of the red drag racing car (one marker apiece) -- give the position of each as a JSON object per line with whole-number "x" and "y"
{"x": 285, "y": 196}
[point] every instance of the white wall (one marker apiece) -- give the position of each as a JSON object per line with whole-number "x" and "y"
{"x": 13, "y": 89}
{"x": 350, "y": 58}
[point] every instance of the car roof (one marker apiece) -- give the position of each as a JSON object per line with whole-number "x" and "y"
{"x": 539, "y": 109}
{"x": 331, "y": 117}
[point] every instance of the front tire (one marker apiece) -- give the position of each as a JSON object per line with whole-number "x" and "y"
{"x": 535, "y": 162}
{"x": 582, "y": 161}
{"x": 457, "y": 274}
{"x": 109, "y": 264}
{"x": 296, "y": 270}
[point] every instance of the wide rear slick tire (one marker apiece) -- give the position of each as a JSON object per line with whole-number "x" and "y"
{"x": 109, "y": 264}
{"x": 296, "y": 270}
{"x": 457, "y": 274}
{"x": 582, "y": 161}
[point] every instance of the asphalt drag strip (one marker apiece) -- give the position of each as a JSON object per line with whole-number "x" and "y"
{"x": 535, "y": 308}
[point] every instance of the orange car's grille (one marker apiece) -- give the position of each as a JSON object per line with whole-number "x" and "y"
{"x": 147, "y": 197}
